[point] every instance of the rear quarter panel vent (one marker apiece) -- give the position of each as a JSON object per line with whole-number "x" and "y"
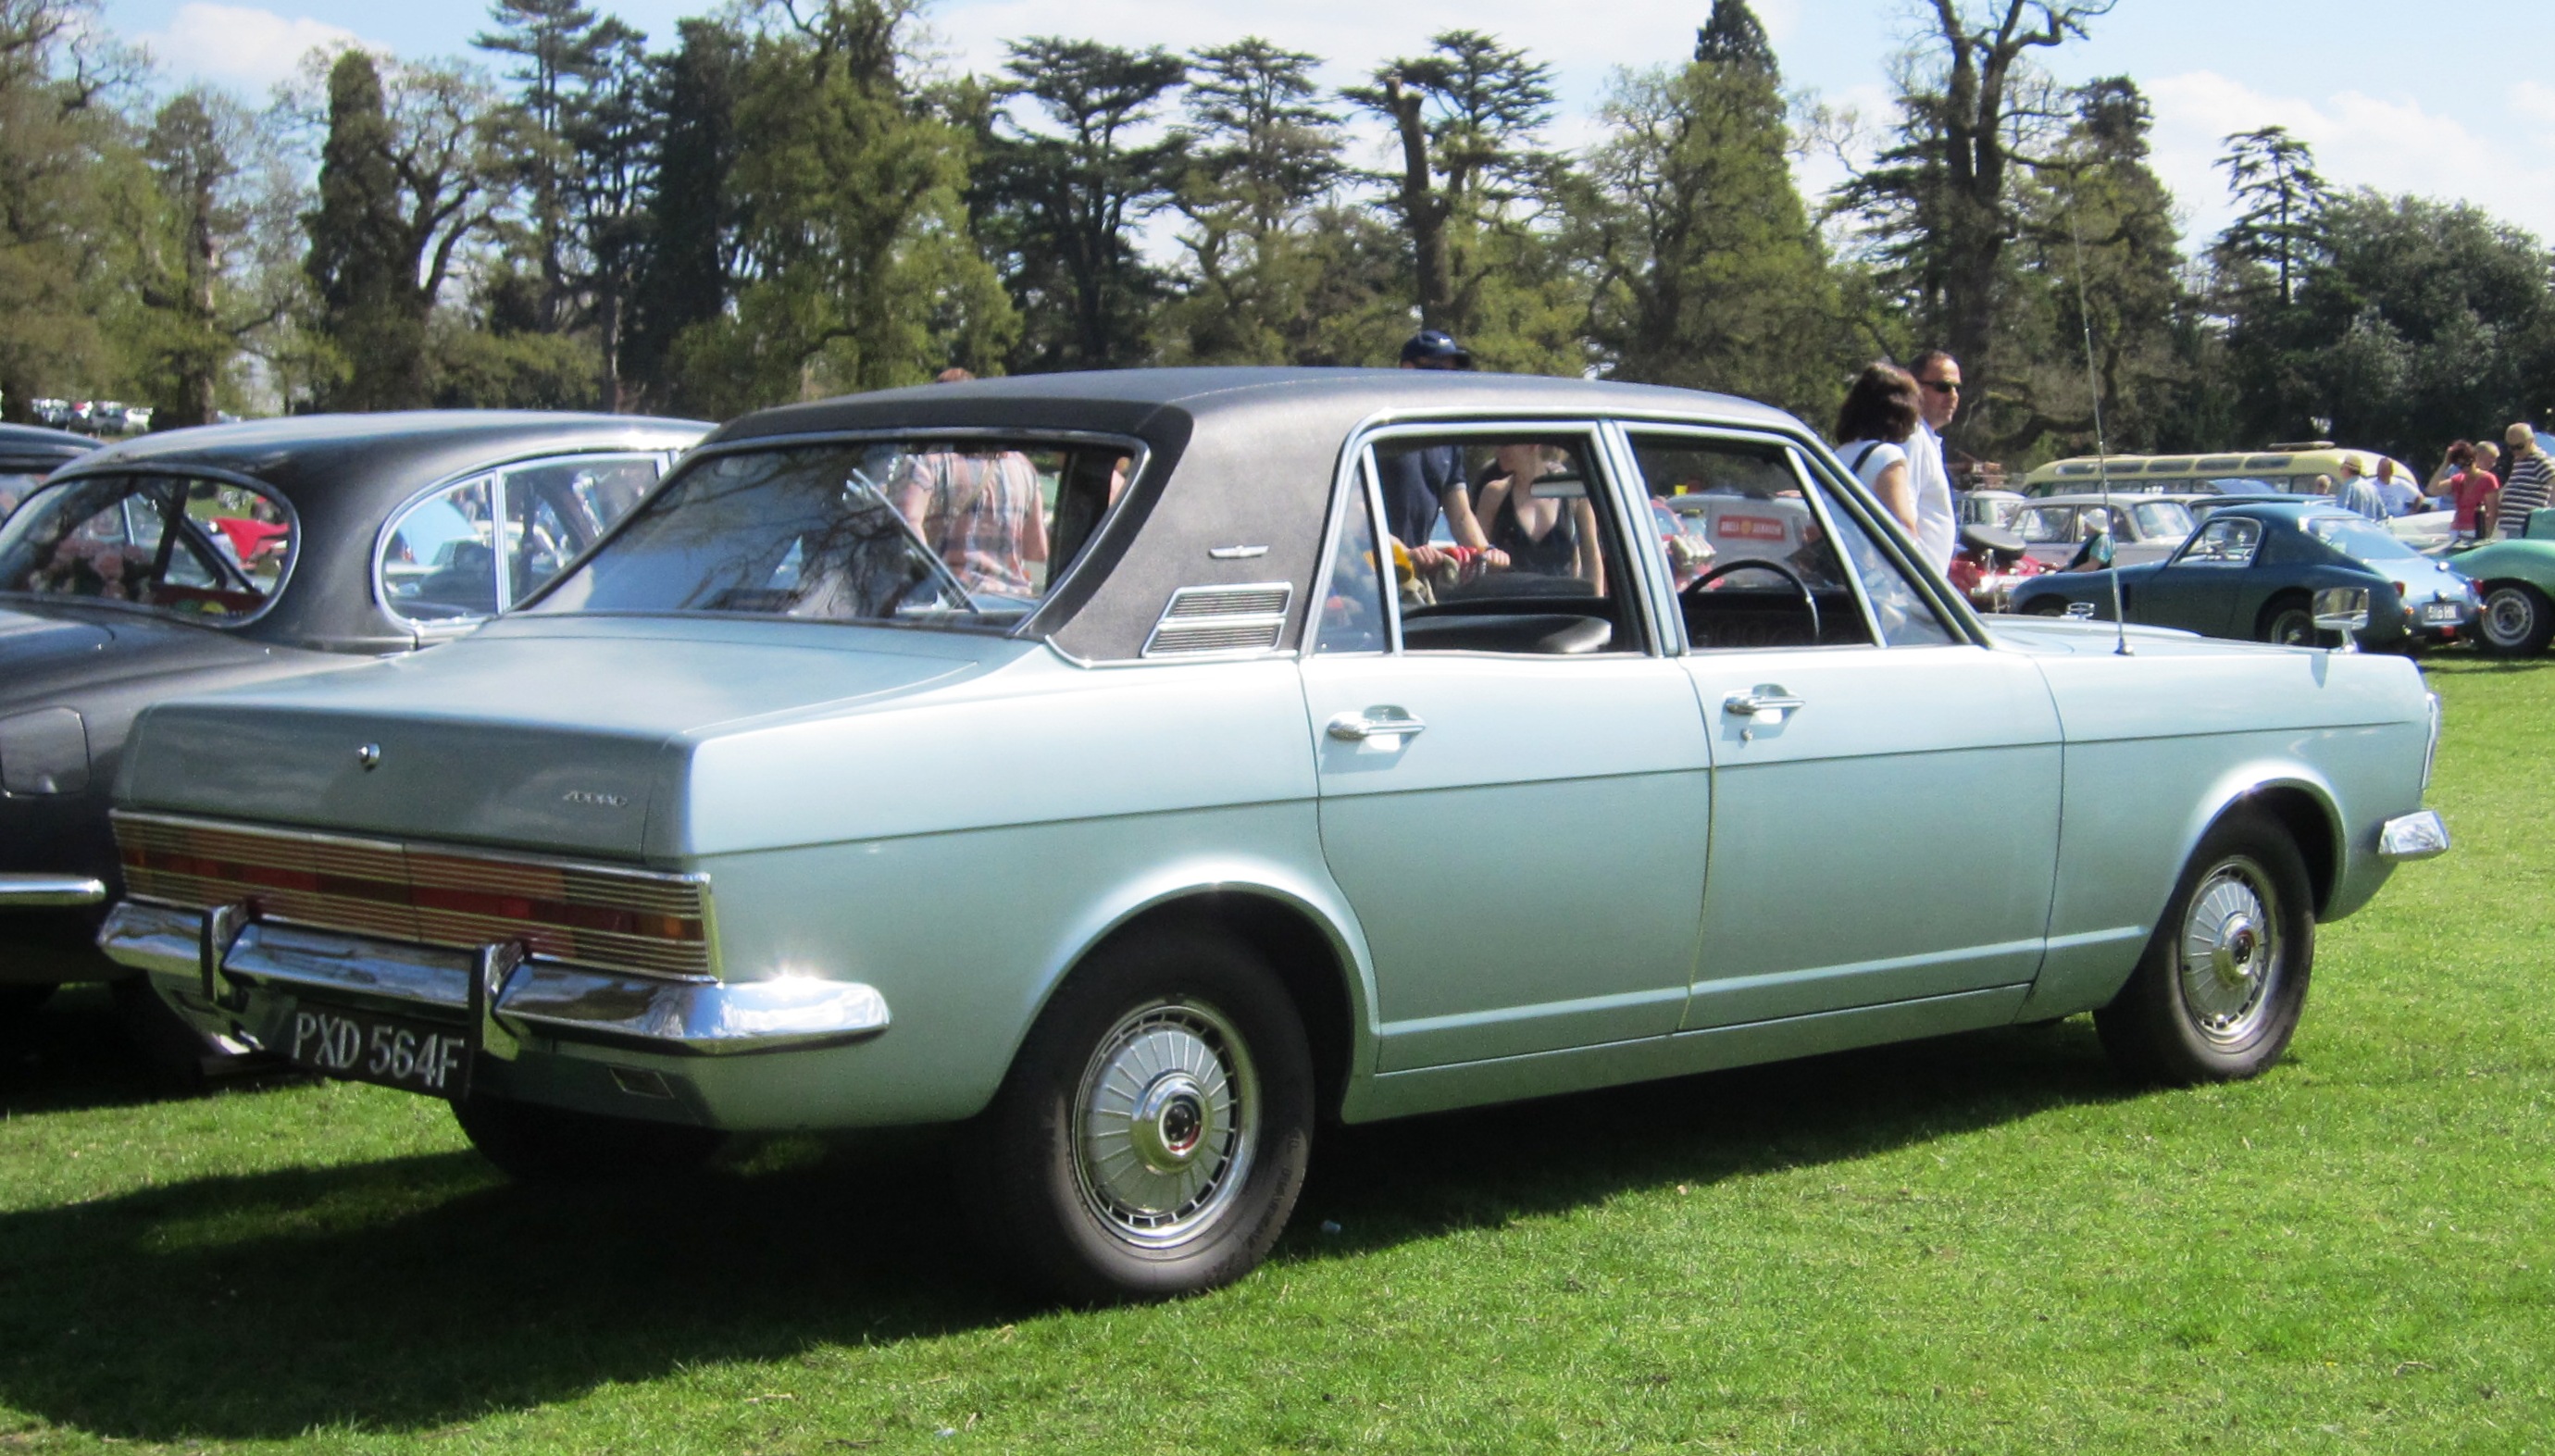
{"x": 1221, "y": 620}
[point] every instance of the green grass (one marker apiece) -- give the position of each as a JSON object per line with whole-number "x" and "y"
{"x": 1980, "y": 1244}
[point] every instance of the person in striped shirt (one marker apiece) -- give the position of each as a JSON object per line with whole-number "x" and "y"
{"x": 2528, "y": 482}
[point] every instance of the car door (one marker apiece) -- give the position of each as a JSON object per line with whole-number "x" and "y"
{"x": 1885, "y": 795}
{"x": 1515, "y": 789}
{"x": 2197, "y": 590}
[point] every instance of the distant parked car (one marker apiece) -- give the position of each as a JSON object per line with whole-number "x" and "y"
{"x": 2142, "y": 528}
{"x": 2516, "y": 578}
{"x": 1129, "y": 843}
{"x": 247, "y": 553}
{"x": 2252, "y": 571}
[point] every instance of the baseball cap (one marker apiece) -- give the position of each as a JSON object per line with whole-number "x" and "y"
{"x": 1434, "y": 346}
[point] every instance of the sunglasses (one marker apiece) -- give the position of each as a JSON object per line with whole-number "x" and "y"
{"x": 1942, "y": 386}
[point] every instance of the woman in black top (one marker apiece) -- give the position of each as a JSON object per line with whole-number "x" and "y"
{"x": 1542, "y": 536}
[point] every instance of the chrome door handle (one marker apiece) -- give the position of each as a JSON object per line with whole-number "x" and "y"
{"x": 1358, "y": 727}
{"x": 1764, "y": 697}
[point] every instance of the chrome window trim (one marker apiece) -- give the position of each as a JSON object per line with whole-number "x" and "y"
{"x": 1951, "y": 610}
{"x": 282, "y": 577}
{"x": 1141, "y": 453}
{"x": 495, "y": 475}
{"x": 1474, "y": 422}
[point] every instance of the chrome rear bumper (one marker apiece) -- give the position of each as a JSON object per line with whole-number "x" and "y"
{"x": 219, "y": 964}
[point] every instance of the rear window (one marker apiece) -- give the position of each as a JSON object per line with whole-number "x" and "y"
{"x": 2357, "y": 538}
{"x": 923, "y": 530}
{"x": 209, "y": 550}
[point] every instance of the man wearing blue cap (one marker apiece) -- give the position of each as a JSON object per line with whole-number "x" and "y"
{"x": 1418, "y": 481}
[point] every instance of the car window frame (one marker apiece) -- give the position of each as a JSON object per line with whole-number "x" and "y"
{"x": 1635, "y": 533}
{"x": 1140, "y": 454}
{"x": 164, "y": 470}
{"x": 495, "y": 475}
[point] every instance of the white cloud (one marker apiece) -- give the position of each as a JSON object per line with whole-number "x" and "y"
{"x": 2535, "y": 101}
{"x": 2389, "y": 143}
{"x": 240, "y": 45}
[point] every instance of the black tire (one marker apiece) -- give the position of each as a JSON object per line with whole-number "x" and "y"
{"x": 19, "y": 1000}
{"x": 2517, "y": 620}
{"x": 1100, "y": 1171}
{"x": 2288, "y": 621}
{"x": 2219, "y": 992}
{"x": 532, "y": 1144}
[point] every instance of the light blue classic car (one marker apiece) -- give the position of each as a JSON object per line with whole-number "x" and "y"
{"x": 1106, "y": 768}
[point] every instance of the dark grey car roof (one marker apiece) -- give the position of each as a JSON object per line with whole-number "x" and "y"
{"x": 343, "y": 474}
{"x": 32, "y": 445}
{"x": 1239, "y": 457}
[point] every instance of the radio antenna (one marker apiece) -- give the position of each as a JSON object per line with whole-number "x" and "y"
{"x": 2102, "y": 445}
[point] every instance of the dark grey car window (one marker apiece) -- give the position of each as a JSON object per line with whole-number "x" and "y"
{"x": 207, "y": 551}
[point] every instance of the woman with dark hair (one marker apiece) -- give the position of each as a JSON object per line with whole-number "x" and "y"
{"x": 1872, "y": 431}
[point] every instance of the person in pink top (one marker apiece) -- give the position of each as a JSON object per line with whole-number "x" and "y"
{"x": 2476, "y": 493}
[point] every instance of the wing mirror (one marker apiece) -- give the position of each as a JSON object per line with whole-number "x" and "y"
{"x": 2343, "y": 610}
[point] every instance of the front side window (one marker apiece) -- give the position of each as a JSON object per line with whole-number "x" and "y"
{"x": 207, "y": 550}
{"x": 1529, "y": 559}
{"x": 2229, "y": 540}
{"x": 923, "y": 530}
{"x": 1776, "y": 566}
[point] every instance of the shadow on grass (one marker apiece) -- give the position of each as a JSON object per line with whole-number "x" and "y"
{"x": 72, "y": 1054}
{"x": 414, "y": 1293}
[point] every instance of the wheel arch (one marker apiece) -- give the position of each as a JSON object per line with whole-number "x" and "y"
{"x": 1307, "y": 937}
{"x": 2299, "y": 803}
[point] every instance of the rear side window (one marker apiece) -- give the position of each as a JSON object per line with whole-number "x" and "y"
{"x": 208, "y": 550}
{"x": 466, "y": 551}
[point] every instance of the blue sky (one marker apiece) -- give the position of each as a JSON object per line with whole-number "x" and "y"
{"x": 2453, "y": 100}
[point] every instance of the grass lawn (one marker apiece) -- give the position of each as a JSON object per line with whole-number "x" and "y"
{"x": 1985, "y": 1243}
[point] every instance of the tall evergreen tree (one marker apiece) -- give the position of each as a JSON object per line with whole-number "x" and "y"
{"x": 362, "y": 272}
{"x": 202, "y": 285}
{"x": 2273, "y": 179}
{"x": 1469, "y": 117}
{"x": 1939, "y": 209}
{"x": 856, "y": 266}
{"x": 686, "y": 273}
{"x": 560, "y": 46}
{"x": 1710, "y": 274}
{"x": 1058, "y": 199}
{"x": 1262, "y": 153}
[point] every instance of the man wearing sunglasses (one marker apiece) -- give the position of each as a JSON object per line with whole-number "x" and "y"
{"x": 1938, "y": 398}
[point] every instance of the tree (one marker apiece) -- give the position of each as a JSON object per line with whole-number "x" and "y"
{"x": 1057, "y": 208}
{"x": 560, "y": 45}
{"x": 856, "y": 268}
{"x": 611, "y": 135}
{"x": 1468, "y": 117}
{"x": 1261, "y": 157}
{"x": 55, "y": 130}
{"x": 1940, "y": 206}
{"x": 687, "y": 238}
{"x": 408, "y": 174}
{"x": 2272, "y": 177}
{"x": 205, "y": 277}
{"x": 1709, "y": 273}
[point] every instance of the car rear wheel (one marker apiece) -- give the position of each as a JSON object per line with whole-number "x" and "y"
{"x": 532, "y": 1144}
{"x": 2219, "y": 992}
{"x": 2287, "y": 621}
{"x": 1152, "y": 1133}
{"x": 18, "y": 1001}
{"x": 2517, "y": 620}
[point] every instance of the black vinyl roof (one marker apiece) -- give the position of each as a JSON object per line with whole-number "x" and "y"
{"x": 1238, "y": 458}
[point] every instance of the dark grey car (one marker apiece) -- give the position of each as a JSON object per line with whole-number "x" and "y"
{"x": 200, "y": 558}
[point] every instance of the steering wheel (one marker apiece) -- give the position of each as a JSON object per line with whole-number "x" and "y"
{"x": 1810, "y": 602}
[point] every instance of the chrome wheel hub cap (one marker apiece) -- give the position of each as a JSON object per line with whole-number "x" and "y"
{"x": 2230, "y": 953}
{"x": 1167, "y": 1121}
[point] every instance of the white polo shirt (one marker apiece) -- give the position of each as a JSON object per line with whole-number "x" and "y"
{"x": 1937, "y": 524}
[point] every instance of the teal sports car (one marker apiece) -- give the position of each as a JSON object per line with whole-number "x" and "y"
{"x": 1107, "y": 771}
